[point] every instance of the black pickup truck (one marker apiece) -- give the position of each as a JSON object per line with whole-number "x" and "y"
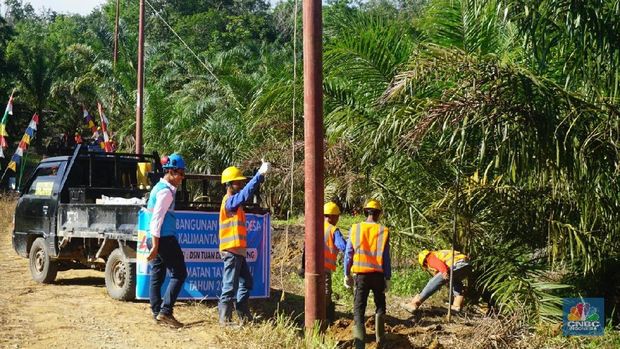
{"x": 60, "y": 222}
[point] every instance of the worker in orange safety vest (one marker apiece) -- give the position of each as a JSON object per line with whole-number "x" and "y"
{"x": 237, "y": 280}
{"x": 441, "y": 263}
{"x": 367, "y": 260}
{"x": 334, "y": 243}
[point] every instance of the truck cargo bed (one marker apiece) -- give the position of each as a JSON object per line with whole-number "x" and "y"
{"x": 98, "y": 221}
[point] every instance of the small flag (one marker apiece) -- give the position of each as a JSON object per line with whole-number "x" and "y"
{"x": 7, "y": 111}
{"x": 107, "y": 144}
{"x": 90, "y": 123}
{"x": 23, "y": 144}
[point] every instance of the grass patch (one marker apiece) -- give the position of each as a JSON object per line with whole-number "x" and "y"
{"x": 550, "y": 336}
{"x": 408, "y": 281}
{"x": 278, "y": 332}
{"x": 344, "y": 223}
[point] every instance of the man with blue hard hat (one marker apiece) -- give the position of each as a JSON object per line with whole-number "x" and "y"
{"x": 165, "y": 252}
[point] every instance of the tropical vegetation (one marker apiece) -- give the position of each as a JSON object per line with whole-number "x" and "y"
{"x": 499, "y": 118}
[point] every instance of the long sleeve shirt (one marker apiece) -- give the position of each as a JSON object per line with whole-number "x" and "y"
{"x": 236, "y": 200}
{"x": 387, "y": 263}
{"x": 339, "y": 241}
{"x": 435, "y": 263}
{"x": 163, "y": 201}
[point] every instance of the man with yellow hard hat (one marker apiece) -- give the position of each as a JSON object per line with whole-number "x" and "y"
{"x": 334, "y": 243}
{"x": 237, "y": 280}
{"x": 441, "y": 263}
{"x": 367, "y": 260}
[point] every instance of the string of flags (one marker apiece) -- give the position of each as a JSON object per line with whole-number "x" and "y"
{"x": 24, "y": 142}
{"x": 7, "y": 111}
{"x": 101, "y": 135}
{"x": 107, "y": 144}
{"x": 90, "y": 123}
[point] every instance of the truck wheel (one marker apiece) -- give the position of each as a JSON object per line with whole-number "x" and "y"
{"x": 120, "y": 276}
{"x": 42, "y": 267}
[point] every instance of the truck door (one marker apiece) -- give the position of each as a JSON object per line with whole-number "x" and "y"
{"x": 35, "y": 213}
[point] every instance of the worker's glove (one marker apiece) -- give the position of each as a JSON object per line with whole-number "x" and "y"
{"x": 264, "y": 167}
{"x": 348, "y": 282}
{"x": 387, "y": 285}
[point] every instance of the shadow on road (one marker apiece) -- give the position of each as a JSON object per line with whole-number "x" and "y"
{"x": 82, "y": 281}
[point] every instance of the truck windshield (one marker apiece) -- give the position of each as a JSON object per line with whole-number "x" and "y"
{"x": 44, "y": 181}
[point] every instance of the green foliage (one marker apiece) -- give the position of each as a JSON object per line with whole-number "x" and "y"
{"x": 408, "y": 281}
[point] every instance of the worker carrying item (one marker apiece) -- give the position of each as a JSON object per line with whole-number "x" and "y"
{"x": 165, "y": 252}
{"x": 440, "y": 264}
{"x": 367, "y": 260}
{"x": 236, "y": 278}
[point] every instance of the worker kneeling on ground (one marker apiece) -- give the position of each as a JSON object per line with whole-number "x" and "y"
{"x": 334, "y": 243}
{"x": 441, "y": 264}
{"x": 237, "y": 280}
{"x": 165, "y": 251}
{"x": 367, "y": 257}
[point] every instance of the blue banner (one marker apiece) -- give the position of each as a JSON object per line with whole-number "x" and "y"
{"x": 197, "y": 233}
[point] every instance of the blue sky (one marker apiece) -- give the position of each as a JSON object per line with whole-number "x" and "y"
{"x": 66, "y": 6}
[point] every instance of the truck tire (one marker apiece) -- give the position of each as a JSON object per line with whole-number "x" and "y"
{"x": 120, "y": 276}
{"x": 42, "y": 267}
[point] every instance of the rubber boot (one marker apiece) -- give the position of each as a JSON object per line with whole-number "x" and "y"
{"x": 331, "y": 312}
{"x": 457, "y": 303}
{"x": 413, "y": 305}
{"x": 380, "y": 330}
{"x": 243, "y": 312}
{"x": 359, "y": 335}
{"x": 225, "y": 313}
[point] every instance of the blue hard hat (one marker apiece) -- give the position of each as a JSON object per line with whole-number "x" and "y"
{"x": 175, "y": 162}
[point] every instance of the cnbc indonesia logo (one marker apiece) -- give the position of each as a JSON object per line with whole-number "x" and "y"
{"x": 583, "y": 316}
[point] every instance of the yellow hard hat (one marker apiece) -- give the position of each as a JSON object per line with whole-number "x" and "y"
{"x": 374, "y": 204}
{"x": 331, "y": 208}
{"x": 232, "y": 174}
{"x": 422, "y": 257}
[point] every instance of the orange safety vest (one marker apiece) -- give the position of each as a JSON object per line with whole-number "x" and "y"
{"x": 446, "y": 257}
{"x": 233, "y": 231}
{"x": 368, "y": 241}
{"x": 330, "y": 252}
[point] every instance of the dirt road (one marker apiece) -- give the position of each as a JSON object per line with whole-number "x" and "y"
{"x": 76, "y": 311}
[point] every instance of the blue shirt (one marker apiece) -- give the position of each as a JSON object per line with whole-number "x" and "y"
{"x": 387, "y": 263}
{"x": 236, "y": 200}
{"x": 339, "y": 241}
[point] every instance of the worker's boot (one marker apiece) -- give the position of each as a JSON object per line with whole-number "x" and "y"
{"x": 457, "y": 303}
{"x": 225, "y": 312}
{"x": 243, "y": 312}
{"x": 359, "y": 335}
{"x": 413, "y": 305}
{"x": 380, "y": 330}
{"x": 331, "y": 312}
